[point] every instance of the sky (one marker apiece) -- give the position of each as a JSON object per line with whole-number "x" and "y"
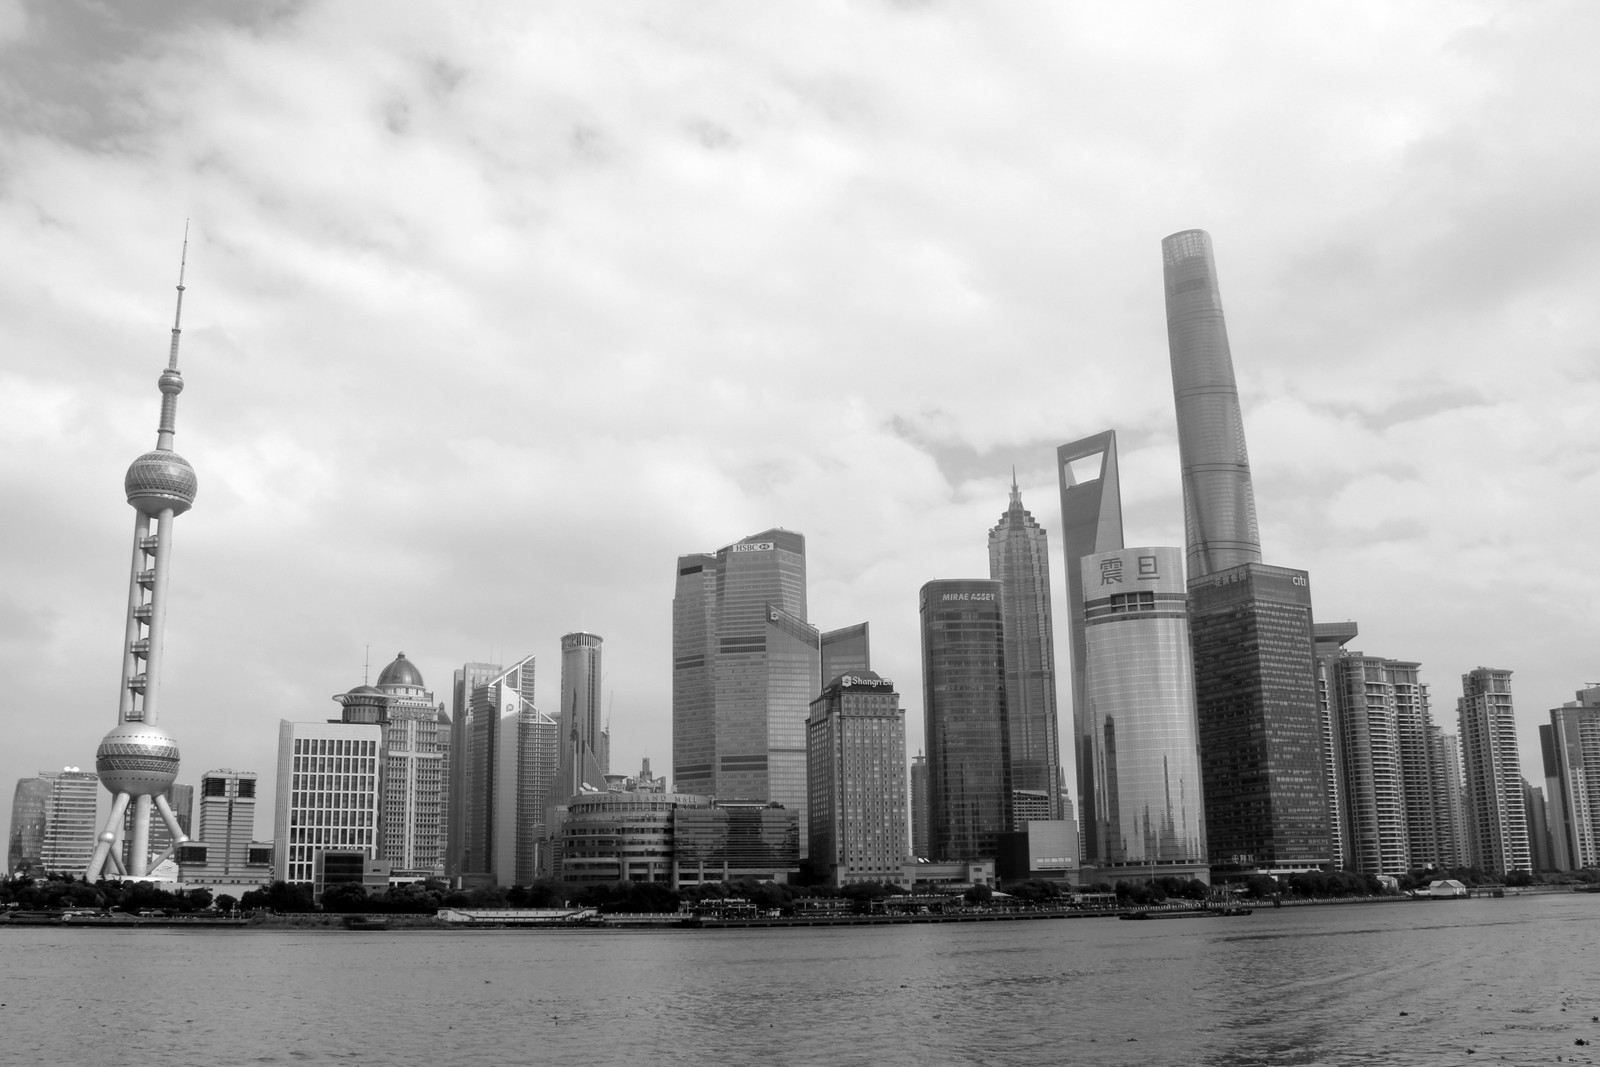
{"x": 494, "y": 310}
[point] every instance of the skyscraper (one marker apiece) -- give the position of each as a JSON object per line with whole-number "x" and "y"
{"x": 745, "y": 667}
{"x": 847, "y": 650}
{"x": 1367, "y": 720}
{"x": 1019, "y": 560}
{"x": 416, "y": 747}
{"x": 920, "y": 815}
{"x": 510, "y": 774}
{"x": 1261, "y": 752}
{"x": 1571, "y": 748}
{"x": 1449, "y": 798}
{"x": 1219, "y": 504}
{"x": 52, "y": 822}
{"x": 964, "y": 718}
{"x": 1091, "y": 522}
{"x": 1144, "y": 811}
{"x": 580, "y": 707}
{"x": 856, "y": 768}
{"x": 1329, "y": 638}
{"x": 1497, "y": 827}
{"x": 138, "y": 760}
{"x": 467, "y": 678}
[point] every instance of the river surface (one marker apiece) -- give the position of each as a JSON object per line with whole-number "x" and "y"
{"x": 1514, "y": 980}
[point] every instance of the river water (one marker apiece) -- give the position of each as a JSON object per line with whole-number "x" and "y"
{"x": 1513, "y": 980}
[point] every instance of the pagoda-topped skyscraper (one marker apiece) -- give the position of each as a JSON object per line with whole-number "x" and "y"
{"x": 137, "y": 761}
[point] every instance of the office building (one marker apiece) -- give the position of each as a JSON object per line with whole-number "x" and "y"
{"x": 847, "y": 650}
{"x": 1219, "y": 505}
{"x": 856, "y": 765}
{"x": 328, "y": 782}
{"x": 1497, "y": 826}
{"x": 1091, "y": 523}
{"x": 137, "y": 760}
{"x": 466, "y": 678}
{"x": 1019, "y": 560}
{"x": 580, "y": 707}
{"x": 1570, "y": 745}
{"x": 746, "y": 665}
{"x": 1328, "y": 639}
{"x": 724, "y": 841}
{"x": 920, "y": 815}
{"x": 227, "y": 822}
{"x": 416, "y": 750}
{"x": 965, "y": 721}
{"x": 24, "y": 845}
{"x": 1261, "y": 751}
{"x": 1144, "y": 805}
{"x": 510, "y": 770}
{"x": 53, "y": 823}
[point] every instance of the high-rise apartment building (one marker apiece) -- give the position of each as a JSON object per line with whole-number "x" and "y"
{"x": 1497, "y": 826}
{"x": 1019, "y": 560}
{"x": 1144, "y": 809}
{"x": 416, "y": 751}
{"x": 1570, "y": 745}
{"x": 1449, "y": 799}
{"x": 1261, "y": 751}
{"x": 745, "y": 668}
{"x": 467, "y": 678}
{"x": 328, "y": 780}
{"x": 856, "y": 766}
{"x": 965, "y": 720}
{"x": 580, "y": 708}
{"x": 1362, "y": 692}
{"x": 1219, "y": 504}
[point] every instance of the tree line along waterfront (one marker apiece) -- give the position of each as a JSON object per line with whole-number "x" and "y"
{"x": 60, "y": 893}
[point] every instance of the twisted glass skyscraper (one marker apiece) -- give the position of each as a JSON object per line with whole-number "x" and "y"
{"x": 1219, "y": 504}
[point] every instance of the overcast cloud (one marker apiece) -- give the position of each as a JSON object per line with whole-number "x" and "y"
{"x": 494, "y": 311}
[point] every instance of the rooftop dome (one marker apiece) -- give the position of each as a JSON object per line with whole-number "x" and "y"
{"x": 400, "y": 672}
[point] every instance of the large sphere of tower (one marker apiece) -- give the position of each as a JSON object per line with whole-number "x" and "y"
{"x": 138, "y": 759}
{"x": 160, "y": 480}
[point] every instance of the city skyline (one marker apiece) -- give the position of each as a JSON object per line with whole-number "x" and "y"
{"x": 723, "y": 290}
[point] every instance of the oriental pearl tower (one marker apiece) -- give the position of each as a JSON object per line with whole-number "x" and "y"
{"x": 137, "y": 761}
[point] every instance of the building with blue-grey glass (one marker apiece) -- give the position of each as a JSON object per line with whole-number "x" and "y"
{"x": 1139, "y": 732}
{"x": 965, "y": 718}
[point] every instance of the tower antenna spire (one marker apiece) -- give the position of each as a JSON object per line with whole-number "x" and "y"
{"x": 1016, "y": 493}
{"x": 177, "y": 315}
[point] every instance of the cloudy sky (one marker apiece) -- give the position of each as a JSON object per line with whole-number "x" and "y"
{"x": 494, "y": 311}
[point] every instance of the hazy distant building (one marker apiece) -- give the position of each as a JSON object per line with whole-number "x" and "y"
{"x": 1539, "y": 841}
{"x": 920, "y": 815}
{"x": 1261, "y": 750}
{"x": 1497, "y": 827}
{"x": 745, "y": 667}
{"x": 1219, "y": 504}
{"x": 965, "y": 722}
{"x": 1570, "y": 746}
{"x": 1144, "y": 805}
{"x": 328, "y": 780}
{"x": 1019, "y": 560}
{"x": 1449, "y": 799}
{"x": 856, "y": 765}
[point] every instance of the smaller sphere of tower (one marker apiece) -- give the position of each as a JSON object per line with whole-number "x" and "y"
{"x": 170, "y": 382}
{"x": 137, "y": 759}
{"x": 159, "y": 480}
